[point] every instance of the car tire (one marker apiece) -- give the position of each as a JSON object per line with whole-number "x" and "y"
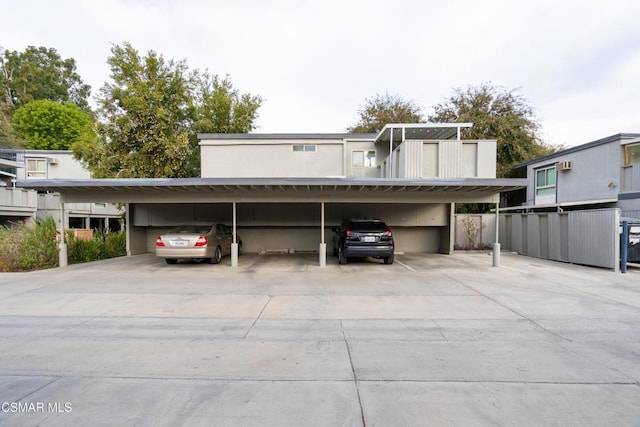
{"x": 171, "y": 260}
{"x": 389, "y": 260}
{"x": 341, "y": 258}
{"x": 217, "y": 256}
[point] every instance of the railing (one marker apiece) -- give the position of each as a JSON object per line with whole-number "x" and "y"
{"x": 12, "y": 154}
{"x": 18, "y": 198}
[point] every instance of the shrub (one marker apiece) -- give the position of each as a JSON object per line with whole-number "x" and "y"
{"x": 29, "y": 248}
{"x": 115, "y": 244}
{"x": 103, "y": 245}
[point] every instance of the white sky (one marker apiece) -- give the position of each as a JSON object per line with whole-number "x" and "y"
{"x": 315, "y": 62}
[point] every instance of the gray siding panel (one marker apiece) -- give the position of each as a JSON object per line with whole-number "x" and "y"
{"x": 449, "y": 153}
{"x": 591, "y": 237}
{"x": 580, "y": 237}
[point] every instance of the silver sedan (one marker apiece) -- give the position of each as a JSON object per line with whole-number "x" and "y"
{"x": 210, "y": 242}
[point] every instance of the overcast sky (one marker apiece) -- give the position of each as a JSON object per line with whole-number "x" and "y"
{"x": 315, "y": 62}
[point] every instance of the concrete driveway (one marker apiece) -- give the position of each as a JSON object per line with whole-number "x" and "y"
{"x": 429, "y": 340}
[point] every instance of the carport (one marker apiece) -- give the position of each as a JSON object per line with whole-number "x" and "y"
{"x": 197, "y": 199}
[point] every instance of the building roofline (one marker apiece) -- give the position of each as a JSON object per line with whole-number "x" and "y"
{"x": 602, "y": 141}
{"x": 250, "y": 136}
{"x": 287, "y": 182}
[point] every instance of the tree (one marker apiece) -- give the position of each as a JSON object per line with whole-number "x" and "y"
{"x": 150, "y": 113}
{"x": 222, "y": 109}
{"x": 496, "y": 113}
{"x": 49, "y": 125}
{"x": 219, "y": 108}
{"x": 40, "y": 73}
{"x": 383, "y": 109}
{"x": 145, "y": 116}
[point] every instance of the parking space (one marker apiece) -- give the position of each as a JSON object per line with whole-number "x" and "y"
{"x": 430, "y": 339}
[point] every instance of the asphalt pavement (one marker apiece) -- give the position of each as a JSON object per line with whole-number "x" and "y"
{"x": 279, "y": 341}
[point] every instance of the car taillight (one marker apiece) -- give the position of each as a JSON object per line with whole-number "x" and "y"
{"x": 202, "y": 241}
{"x": 388, "y": 232}
{"x": 348, "y": 232}
{"x": 159, "y": 241}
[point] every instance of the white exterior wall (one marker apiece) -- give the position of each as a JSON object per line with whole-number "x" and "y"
{"x": 60, "y": 165}
{"x": 361, "y": 172}
{"x": 273, "y": 159}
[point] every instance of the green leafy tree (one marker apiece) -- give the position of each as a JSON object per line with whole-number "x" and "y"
{"x": 151, "y": 111}
{"x": 49, "y": 125}
{"x": 496, "y": 113}
{"x": 40, "y": 73}
{"x": 383, "y": 109}
{"x": 145, "y": 114}
{"x": 221, "y": 108}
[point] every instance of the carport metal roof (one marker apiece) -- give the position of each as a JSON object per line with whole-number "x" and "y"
{"x": 421, "y": 131}
{"x": 276, "y": 189}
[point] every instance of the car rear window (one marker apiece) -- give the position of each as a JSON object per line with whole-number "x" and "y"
{"x": 368, "y": 226}
{"x": 192, "y": 229}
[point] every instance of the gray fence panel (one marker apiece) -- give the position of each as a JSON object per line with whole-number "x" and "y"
{"x": 581, "y": 237}
{"x": 533, "y": 230}
{"x": 593, "y": 237}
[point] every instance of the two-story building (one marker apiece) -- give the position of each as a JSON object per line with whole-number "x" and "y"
{"x": 286, "y": 191}
{"x": 601, "y": 173}
{"x": 20, "y": 205}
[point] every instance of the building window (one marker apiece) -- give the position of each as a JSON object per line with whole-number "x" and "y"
{"x": 100, "y": 205}
{"x": 299, "y": 148}
{"x": 631, "y": 154}
{"x": 36, "y": 168}
{"x": 546, "y": 181}
{"x": 363, "y": 159}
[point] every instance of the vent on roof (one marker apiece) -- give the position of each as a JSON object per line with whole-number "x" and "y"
{"x": 564, "y": 166}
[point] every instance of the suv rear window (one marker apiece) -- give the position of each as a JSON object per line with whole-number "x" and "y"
{"x": 368, "y": 226}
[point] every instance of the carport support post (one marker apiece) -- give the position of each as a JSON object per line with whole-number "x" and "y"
{"x": 234, "y": 245}
{"x": 496, "y": 245}
{"x": 322, "y": 251}
{"x": 62, "y": 254}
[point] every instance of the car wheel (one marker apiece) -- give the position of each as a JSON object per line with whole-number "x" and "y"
{"x": 171, "y": 260}
{"x": 389, "y": 259}
{"x": 217, "y": 256}
{"x": 341, "y": 258}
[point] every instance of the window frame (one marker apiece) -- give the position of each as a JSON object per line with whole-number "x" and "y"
{"x": 636, "y": 146}
{"x": 35, "y": 173}
{"x": 541, "y": 190}
{"x": 304, "y": 148}
{"x": 372, "y": 164}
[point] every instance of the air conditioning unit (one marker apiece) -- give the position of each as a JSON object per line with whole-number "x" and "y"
{"x": 52, "y": 161}
{"x": 564, "y": 166}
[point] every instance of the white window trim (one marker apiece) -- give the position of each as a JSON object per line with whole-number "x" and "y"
{"x": 545, "y": 199}
{"x": 364, "y": 159}
{"x": 625, "y": 155}
{"x": 28, "y": 171}
{"x": 306, "y": 148}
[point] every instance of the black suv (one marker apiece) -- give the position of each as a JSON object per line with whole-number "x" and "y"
{"x": 363, "y": 238}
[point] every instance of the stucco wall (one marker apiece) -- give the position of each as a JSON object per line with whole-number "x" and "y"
{"x": 271, "y": 159}
{"x": 65, "y": 167}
